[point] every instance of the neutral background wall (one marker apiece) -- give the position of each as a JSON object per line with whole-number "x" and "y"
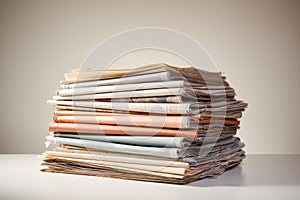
{"x": 256, "y": 44}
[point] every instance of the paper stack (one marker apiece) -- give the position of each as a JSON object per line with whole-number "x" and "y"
{"x": 154, "y": 123}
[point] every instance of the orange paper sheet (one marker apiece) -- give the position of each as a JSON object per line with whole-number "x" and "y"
{"x": 120, "y": 130}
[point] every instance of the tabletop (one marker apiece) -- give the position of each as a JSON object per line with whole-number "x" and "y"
{"x": 259, "y": 176}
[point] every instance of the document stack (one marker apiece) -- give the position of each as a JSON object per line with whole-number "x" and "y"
{"x": 153, "y": 123}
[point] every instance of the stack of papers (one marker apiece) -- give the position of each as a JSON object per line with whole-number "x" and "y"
{"x": 153, "y": 123}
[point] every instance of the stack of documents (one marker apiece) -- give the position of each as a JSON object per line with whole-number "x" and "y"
{"x": 154, "y": 123}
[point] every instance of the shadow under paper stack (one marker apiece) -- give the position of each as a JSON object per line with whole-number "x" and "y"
{"x": 153, "y": 123}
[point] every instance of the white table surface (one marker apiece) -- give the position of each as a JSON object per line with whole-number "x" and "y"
{"x": 260, "y": 176}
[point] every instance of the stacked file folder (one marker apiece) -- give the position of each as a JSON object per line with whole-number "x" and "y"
{"x": 154, "y": 123}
